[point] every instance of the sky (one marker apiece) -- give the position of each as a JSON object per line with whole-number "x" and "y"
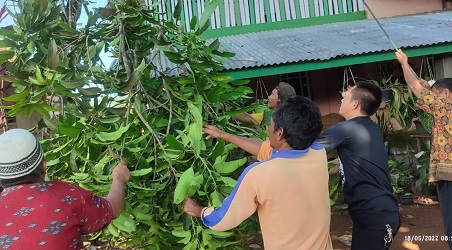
{"x": 9, "y": 21}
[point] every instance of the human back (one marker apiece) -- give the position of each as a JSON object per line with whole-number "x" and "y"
{"x": 35, "y": 213}
{"x": 364, "y": 169}
{"x": 51, "y": 214}
{"x": 288, "y": 186}
{"x": 365, "y": 165}
{"x": 294, "y": 205}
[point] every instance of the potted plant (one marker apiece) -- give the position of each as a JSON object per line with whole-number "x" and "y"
{"x": 402, "y": 105}
{"x": 401, "y": 178}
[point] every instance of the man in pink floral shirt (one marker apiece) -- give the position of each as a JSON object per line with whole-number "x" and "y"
{"x": 35, "y": 214}
{"x": 438, "y": 102}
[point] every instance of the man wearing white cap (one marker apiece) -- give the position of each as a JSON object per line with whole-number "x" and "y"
{"x": 52, "y": 214}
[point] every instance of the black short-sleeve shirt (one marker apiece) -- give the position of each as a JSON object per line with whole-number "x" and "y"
{"x": 364, "y": 156}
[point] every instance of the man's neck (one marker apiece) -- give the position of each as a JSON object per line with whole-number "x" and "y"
{"x": 284, "y": 146}
{"x": 354, "y": 115}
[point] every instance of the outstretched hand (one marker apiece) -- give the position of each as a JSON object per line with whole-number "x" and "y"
{"x": 192, "y": 207}
{"x": 212, "y": 131}
{"x": 121, "y": 172}
{"x": 401, "y": 57}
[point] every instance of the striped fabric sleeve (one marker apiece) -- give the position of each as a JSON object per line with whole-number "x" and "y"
{"x": 239, "y": 205}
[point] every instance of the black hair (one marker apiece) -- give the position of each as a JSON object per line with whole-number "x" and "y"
{"x": 285, "y": 91}
{"x": 368, "y": 95}
{"x": 300, "y": 120}
{"x": 29, "y": 178}
{"x": 445, "y": 83}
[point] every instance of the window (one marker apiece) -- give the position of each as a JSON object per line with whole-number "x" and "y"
{"x": 299, "y": 81}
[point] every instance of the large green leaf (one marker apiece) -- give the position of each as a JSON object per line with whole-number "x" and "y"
{"x": 7, "y": 43}
{"x": 5, "y": 55}
{"x": 217, "y": 150}
{"x": 196, "y": 113}
{"x": 216, "y": 198}
{"x": 173, "y": 143}
{"x": 71, "y": 130}
{"x": 183, "y": 185}
{"x": 124, "y": 223}
{"x": 112, "y": 136}
{"x": 141, "y": 172}
{"x": 230, "y": 166}
{"x": 19, "y": 97}
{"x": 195, "y": 184}
{"x": 208, "y": 11}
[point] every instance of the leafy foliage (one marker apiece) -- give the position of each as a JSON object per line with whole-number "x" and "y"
{"x": 141, "y": 109}
{"x": 403, "y": 106}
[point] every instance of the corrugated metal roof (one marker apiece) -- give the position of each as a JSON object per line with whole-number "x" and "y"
{"x": 328, "y": 41}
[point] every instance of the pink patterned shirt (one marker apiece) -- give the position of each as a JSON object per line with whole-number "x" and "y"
{"x": 50, "y": 215}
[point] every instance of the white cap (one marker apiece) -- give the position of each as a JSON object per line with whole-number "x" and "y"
{"x": 20, "y": 153}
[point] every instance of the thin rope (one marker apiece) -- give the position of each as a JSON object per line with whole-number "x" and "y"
{"x": 351, "y": 73}
{"x": 266, "y": 91}
{"x": 345, "y": 79}
{"x": 258, "y": 87}
{"x": 430, "y": 69}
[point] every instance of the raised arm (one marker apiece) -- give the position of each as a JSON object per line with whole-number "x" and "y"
{"x": 245, "y": 117}
{"x": 251, "y": 146}
{"x": 116, "y": 194}
{"x": 416, "y": 85}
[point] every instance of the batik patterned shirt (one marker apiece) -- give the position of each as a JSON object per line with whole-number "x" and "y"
{"x": 50, "y": 215}
{"x": 441, "y": 148}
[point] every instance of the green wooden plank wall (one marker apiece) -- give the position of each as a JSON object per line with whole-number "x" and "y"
{"x": 250, "y": 12}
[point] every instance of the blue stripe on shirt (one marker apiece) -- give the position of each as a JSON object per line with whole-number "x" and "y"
{"x": 218, "y": 214}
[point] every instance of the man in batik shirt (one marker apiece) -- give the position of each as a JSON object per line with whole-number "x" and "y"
{"x": 438, "y": 102}
{"x": 38, "y": 214}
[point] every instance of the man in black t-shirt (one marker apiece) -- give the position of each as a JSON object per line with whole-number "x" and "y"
{"x": 367, "y": 185}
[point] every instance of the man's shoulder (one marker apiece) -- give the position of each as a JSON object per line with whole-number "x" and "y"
{"x": 339, "y": 125}
{"x": 61, "y": 184}
{"x": 425, "y": 92}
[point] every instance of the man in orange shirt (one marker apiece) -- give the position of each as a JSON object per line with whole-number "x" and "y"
{"x": 289, "y": 189}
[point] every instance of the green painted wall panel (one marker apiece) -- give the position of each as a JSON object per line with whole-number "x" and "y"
{"x": 341, "y": 7}
{"x": 267, "y": 11}
{"x": 238, "y": 19}
{"x": 222, "y": 17}
{"x": 326, "y": 8}
{"x": 349, "y": 5}
{"x": 169, "y": 10}
{"x": 252, "y": 12}
{"x": 298, "y": 10}
{"x": 282, "y": 10}
{"x": 228, "y": 31}
{"x": 311, "y": 8}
